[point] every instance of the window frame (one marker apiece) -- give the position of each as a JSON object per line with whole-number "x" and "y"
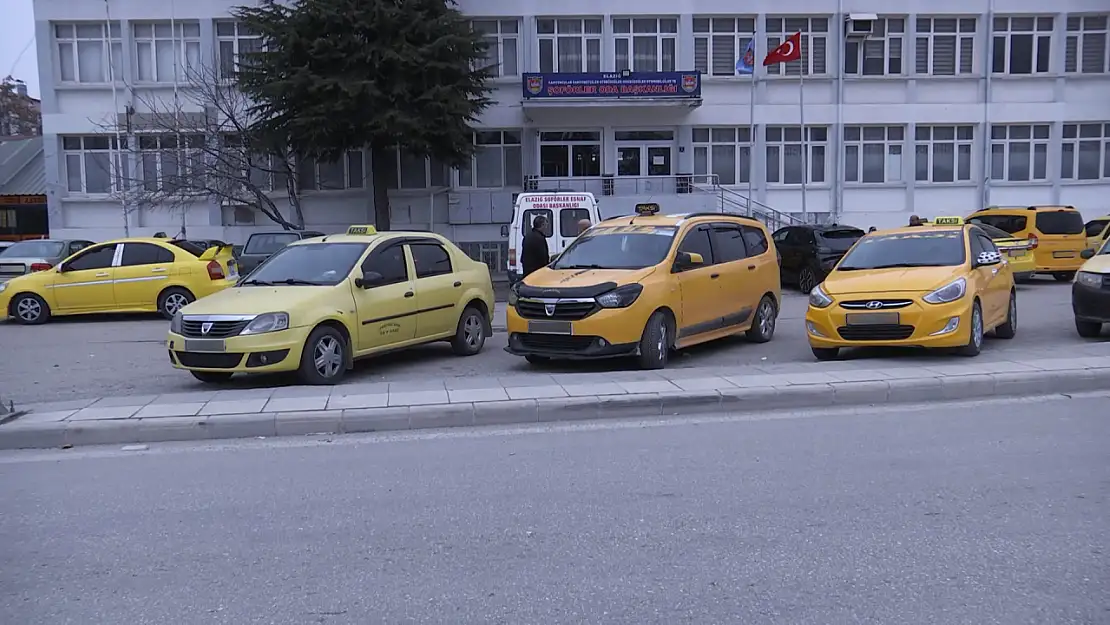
{"x": 497, "y": 40}
{"x": 716, "y": 229}
{"x": 1003, "y": 33}
{"x": 510, "y": 146}
{"x": 962, "y": 34}
{"x": 111, "y": 51}
{"x": 1071, "y": 150}
{"x": 412, "y": 245}
{"x": 181, "y": 47}
{"x": 700, "y": 227}
{"x": 1081, "y": 29}
{"x": 747, "y": 230}
{"x": 572, "y": 139}
{"x": 226, "y": 69}
{"x": 815, "y": 38}
{"x": 710, "y": 34}
{"x": 707, "y": 138}
{"x": 1002, "y": 151}
{"x": 892, "y": 144}
{"x": 349, "y": 165}
{"x": 139, "y": 245}
{"x": 118, "y": 164}
{"x": 893, "y": 36}
{"x": 664, "y": 35}
{"x": 378, "y": 252}
{"x": 588, "y": 60}
{"x": 192, "y": 156}
{"x": 92, "y": 249}
{"x": 962, "y": 147}
{"x": 813, "y": 146}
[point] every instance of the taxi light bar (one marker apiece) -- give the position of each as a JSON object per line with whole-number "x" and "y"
{"x": 40, "y": 267}
{"x": 362, "y": 230}
{"x": 650, "y": 208}
{"x": 948, "y": 221}
{"x": 215, "y": 271}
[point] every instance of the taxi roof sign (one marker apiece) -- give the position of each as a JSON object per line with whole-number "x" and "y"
{"x": 948, "y": 221}
{"x": 362, "y": 230}
{"x": 649, "y": 208}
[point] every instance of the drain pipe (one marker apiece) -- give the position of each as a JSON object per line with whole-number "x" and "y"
{"x": 838, "y": 167}
{"x": 986, "y": 134}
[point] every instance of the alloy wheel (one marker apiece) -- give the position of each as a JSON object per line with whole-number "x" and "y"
{"x": 977, "y": 327}
{"x": 28, "y": 309}
{"x": 327, "y": 356}
{"x": 175, "y": 302}
{"x": 473, "y": 330}
{"x": 766, "y": 319}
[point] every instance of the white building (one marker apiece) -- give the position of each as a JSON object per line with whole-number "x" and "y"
{"x": 934, "y": 108}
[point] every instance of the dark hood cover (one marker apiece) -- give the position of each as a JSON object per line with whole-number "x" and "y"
{"x": 524, "y": 290}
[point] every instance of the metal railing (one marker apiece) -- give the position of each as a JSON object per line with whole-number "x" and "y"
{"x": 734, "y": 202}
{"x": 610, "y": 185}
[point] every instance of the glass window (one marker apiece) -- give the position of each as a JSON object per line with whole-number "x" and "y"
{"x": 728, "y": 243}
{"x": 697, "y": 242}
{"x": 322, "y": 264}
{"x": 35, "y": 249}
{"x": 568, "y": 220}
{"x": 430, "y": 259}
{"x": 926, "y": 248}
{"x": 755, "y": 239}
{"x": 389, "y": 262}
{"x": 1059, "y": 222}
{"x": 840, "y": 240}
{"x": 530, "y": 218}
{"x": 144, "y": 254}
{"x": 1096, "y": 227}
{"x": 1008, "y": 223}
{"x": 77, "y": 246}
{"x": 93, "y": 258}
{"x": 268, "y": 243}
{"x": 619, "y": 247}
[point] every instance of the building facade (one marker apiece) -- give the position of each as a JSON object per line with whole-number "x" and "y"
{"x": 895, "y": 108}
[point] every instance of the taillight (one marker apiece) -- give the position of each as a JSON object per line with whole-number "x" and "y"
{"x": 40, "y": 267}
{"x": 215, "y": 271}
{"x": 1033, "y": 242}
{"x": 512, "y": 257}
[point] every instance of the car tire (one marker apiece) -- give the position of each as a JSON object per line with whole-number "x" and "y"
{"x": 655, "y": 344}
{"x": 1008, "y": 329}
{"x": 30, "y": 309}
{"x": 534, "y": 359}
{"x": 211, "y": 377}
{"x": 975, "y": 340}
{"x": 825, "y": 354}
{"x": 172, "y": 300}
{"x": 1064, "y": 276}
{"x": 324, "y": 358}
{"x": 470, "y": 334}
{"x": 807, "y": 280}
{"x": 1088, "y": 329}
{"x": 763, "y": 326}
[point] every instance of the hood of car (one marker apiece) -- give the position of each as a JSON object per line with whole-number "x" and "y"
{"x": 256, "y": 300}
{"x": 577, "y": 278}
{"x": 892, "y": 280}
{"x": 1097, "y": 264}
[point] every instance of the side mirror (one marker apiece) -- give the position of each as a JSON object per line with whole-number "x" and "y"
{"x": 62, "y": 268}
{"x": 1087, "y": 254}
{"x": 687, "y": 260}
{"x": 987, "y": 259}
{"x": 369, "y": 280}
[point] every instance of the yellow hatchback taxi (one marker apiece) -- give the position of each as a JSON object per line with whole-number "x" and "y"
{"x": 926, "y": 286}
{"x": 318, "y": 304}
{"x": 1056, "y": 232}
{"x": 135, "y": 275}
{"x": 643, "y": 285}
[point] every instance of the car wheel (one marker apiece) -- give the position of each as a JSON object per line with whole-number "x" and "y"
{"x": 975, "y": 341}
{"x": 1088, "y": 329}
{"x": 211, "y": 377}
{"x": 655, "y": 344}
{"x": 825, "y": 353}
{"x": 1064, "y": 276}
{"x": 172, "y": 300}
{"x": 470, "y": 335}
{"x": 806, "y": 280}
{"x": 30, "y": 309}
{"x": 533, "y": 359}
{"x": 1008, "y": 329}
{"x": 763, "y": 326}
{"x": 324, "y": 359}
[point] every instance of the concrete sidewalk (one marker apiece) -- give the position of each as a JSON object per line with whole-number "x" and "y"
{"x": 533, "y": 398}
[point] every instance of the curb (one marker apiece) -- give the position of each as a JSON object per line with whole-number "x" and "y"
{"x": 31, "y": 434}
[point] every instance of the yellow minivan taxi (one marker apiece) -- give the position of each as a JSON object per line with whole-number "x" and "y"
{"x": 1090, "y": 294}
{"x": 925, "y": 286}
{"x": 318, "y": 304}
{"x": 135, "y": 275}
{"x": 1056, "y": 232}
{"x": 646, "y": 284}
{"x": 1097, "y": 231}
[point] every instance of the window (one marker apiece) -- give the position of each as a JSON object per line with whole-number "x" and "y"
{"x": 501, "y": 38}
{"x": 1021, "y": 45}
{"x": 323, "y": 264}
{"x": 814, "y": 44}
{"x": 95, "y": 164}
{"x": 645, "y": 44}
{"x": 86, "y": 52}
{"x": 266, "y": 244}
{"x": 496, "y": 162}
{"x": 1007, "y": 223}
{"x": 936, "y": 248}
{"x": 873, "y": 154}
{"x": 785, "y": 164}
{"x": 491, "y": 253}
{"x": 77, "y": 246}
{"x": 1085, "y": 153}
{"x": 418, "y": 172}
{"x": 881, "y": 53}
{"x": 568, "y": 221}
{"x": 1019, "y": 152}
{"x": 166, "y": 52}
{"x": 346, "y": 173}
{"x": 728, "y": 243}
{"x": 945, "y": 46}
{"x": 1059, "y": 222}
{"x": 1086, "y": 51}
{"x": 719, "y": 42}
{"x": 233, "y": 40}
{"x": 725, "y": 153}
{"x": 529, "y": 221}
{"x": 616, "y": 248}
{"x": 94, "y": 258}
{"x": 943, "y": 153}
{"x": 697, "y": 242}
{"x": 389, "y": 262}
{"x": 1095, "y": 228}
{"x": 572, "y": 153}
{"x": 430, "y": 259}
{"x": 167, "y": 160}
{"x": 801, "y": 237}
{"x": 569, "y": 45}
{"x": 144, "y": 254}
{"x": 755, "y": 239}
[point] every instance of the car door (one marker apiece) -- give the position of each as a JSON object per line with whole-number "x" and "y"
{"x": 143, "y": 271}
{"x": 761, "y": 268}
{"x": 982, "y": 279}
{"x": 998, "y": 287}
{"x": 701, "y": 302}
{"x": 84, "y": 283}
{"x": 782, "y": 244}
{"x": 387, "y": 311}
{"x": 437, "y": 289}
{"x": 734, "y": 284}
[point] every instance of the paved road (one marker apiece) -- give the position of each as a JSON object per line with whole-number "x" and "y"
{"x": 79, "y": 358}
{"x": 975, "y": 513}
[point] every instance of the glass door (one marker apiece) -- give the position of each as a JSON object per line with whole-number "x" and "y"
{"x": 659, "y": 160}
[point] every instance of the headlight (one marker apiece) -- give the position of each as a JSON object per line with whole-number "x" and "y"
{"x": 818, "y": 298}
{"x": 950, "y": 292}
{"x": 513, "y": 294}
{"x": 3, "y": 286}
{"x": 620, "y": 297}
{"x": 1085, "y": 278}
{"x": 175, "y": 323}
{"x": 269, "y": 322}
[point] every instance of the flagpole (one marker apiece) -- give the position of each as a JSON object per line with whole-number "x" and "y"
{"x": 751, "y": 126}
{"x": 805, "y": 145}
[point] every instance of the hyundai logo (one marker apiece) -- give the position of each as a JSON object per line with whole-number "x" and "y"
{"x": 874, "y": 305}
{"x": 549, "y": 309}
{"x": 206, "y": 327}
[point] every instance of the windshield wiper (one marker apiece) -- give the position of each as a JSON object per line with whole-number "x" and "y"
{"x": 581, "y": 267}
{"x": 296, "y": 282}
{"x": 255, "y": 283}
{"x": 891, "y": 266}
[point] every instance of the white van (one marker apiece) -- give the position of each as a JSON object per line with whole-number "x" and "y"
{"x": 563, "y": 212}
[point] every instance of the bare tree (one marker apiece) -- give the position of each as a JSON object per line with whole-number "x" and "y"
{"x": 200, "y": 145}
{"x": 19, "y": 113}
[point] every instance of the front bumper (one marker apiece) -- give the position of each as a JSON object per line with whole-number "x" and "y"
{"x": 272, "y": 352}
{"x": 607, "y": 333}
{"x": 919, "y": 325}
{"x": 1090, "y": 303}
{"x": 568, "y": 347}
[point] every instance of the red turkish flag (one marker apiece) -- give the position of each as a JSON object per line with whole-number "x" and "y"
{"x": 789, "y": 50}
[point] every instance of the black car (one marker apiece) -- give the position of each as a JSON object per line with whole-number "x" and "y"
{"x": 807, "y": 253}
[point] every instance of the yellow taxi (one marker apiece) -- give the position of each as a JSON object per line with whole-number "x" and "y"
{"x": 1097, "y": 231}
{"x": 1090, "y": 293}
{"x": 1018, "y": 251}
{"x": 1056, "y": 232}
{"x": 924, "y": 286}
{"x": 645, "y": 284}
{"x": 318, "y": 304}
{"x": 135, "y": 275}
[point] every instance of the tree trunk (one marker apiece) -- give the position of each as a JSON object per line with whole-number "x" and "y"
{"x": 383, "y": 170}
{"x": 293, "y": 189}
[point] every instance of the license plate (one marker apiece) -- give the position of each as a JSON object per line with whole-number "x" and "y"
{"x": 1016, "y": 252}
{"x": 1063, "y": 254}
{"x": 549, "y": 327}
{"x": 232, "y": 271}
{"x": 871, "y": 319}
{"x": 205, "y": 345}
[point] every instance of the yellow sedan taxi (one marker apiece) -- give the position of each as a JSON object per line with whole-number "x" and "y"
{"x": 926, "y": 286}
{"x": 135, "y": 275}
{"x": 643, "y": 285}
{"x": 318, "y": 304}
{"x": 1090, "y": 293}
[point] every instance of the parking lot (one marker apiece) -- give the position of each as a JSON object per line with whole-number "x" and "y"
{"x": 104, "y": 356}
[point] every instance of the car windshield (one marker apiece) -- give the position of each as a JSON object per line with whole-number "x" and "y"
{"x": 1105, "y": 249}
{"x": 840, "y": 240}
{"x": 189, "y": 246}
{"x": 35, "y": 249}
{"x": 1060, "y": 222}
{"x": 618, "y": 247}
{"x": 1007, "y": 223}
{"x": 994, "y": 233}
{"x": 268, "y": 243}
{"x": 925, "y": 248}
{"x": 317, "y": 264}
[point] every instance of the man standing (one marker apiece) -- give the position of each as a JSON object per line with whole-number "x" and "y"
{"x": 534, "y": 254}
{"x": 583, "y": 225}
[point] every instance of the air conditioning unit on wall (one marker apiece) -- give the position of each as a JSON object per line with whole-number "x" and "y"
{"x": 859, "y": 25}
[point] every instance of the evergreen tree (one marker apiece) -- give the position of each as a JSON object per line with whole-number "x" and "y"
{"x": 339, "y": 75}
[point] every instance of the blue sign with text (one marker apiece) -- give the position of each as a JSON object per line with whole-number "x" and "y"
{"x": 613, "y": 85}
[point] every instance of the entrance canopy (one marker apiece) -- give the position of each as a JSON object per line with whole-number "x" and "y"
{"x": 612, "y": 89}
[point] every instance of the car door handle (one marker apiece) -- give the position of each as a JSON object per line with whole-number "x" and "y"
{"x": 102, "y": 275}
{"x": 458, "y": 284}
{"x": 158, "y": 270}
{"x": 714, "y": 276}
{"x": 409, "y": 294}
{"x": 751, "y": 267}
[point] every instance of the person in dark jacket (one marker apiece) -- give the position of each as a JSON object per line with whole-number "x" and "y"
{"x": 534, "y": 254}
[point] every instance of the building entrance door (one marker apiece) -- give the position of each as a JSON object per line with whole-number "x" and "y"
{"x": 645, "y": 162}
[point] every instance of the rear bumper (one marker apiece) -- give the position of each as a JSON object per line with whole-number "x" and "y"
{"x": 1090, "y": 304}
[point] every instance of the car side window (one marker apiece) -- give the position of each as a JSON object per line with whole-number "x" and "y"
{"x": 529, "y": 218}
{"x": 988, "y": 245}
{"x": 389, "y": 262}
{"x": 77, "y": 246}
{"x": 93, "y": 258}
{"x": 144, "y": 254}
{"x": 780, "y": 236}
{"x": 976, "y": 247}
{"x": 697, "y": 241}
{"x": 430, "y": 259}
{"x": 728, "y": 243}
{"x": 798, "y": 237}
{"x": 755, "y": 239}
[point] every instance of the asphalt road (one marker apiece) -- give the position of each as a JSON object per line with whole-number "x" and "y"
{"x": 89, "y": 357}
{"x": 963, "y": 513}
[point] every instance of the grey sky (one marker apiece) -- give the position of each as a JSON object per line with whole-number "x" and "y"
{"x": 19, "y": 18}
